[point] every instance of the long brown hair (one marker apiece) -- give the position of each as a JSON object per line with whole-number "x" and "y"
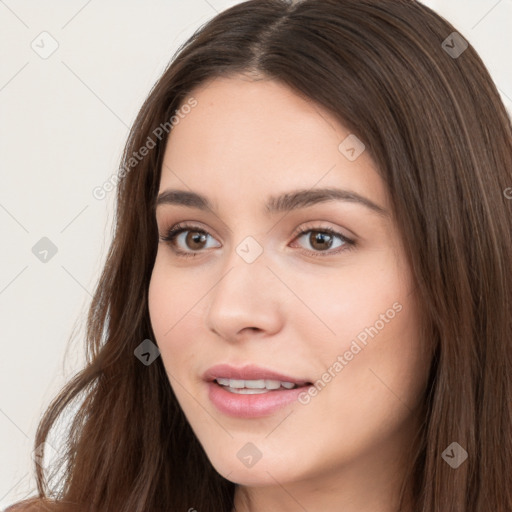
{"x": 433, "y": 122}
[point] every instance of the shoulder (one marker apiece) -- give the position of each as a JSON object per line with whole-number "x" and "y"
{"x": 43, "y": 505}
{"x": 30, "y": 505}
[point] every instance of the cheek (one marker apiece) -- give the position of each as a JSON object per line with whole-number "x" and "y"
{"x": 176, "y": 313}
{"x": 166, "y": 300}
{"x": 375, "y": 345}
{"x": 171, "y": 298}
{"x": 355, "y": 297}
{"x": 382, "y": 365}
{"x": 160, "y": 294}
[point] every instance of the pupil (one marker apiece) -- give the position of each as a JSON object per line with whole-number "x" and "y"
{"x": 195, "y": 238}
{"x": 320, "y": 237}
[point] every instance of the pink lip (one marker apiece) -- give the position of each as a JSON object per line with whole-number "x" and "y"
{"x": 250, "y": 406}
{"x": 248, "y": 372}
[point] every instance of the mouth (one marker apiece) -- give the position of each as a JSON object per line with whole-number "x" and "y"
{"x": 251, "y": 391}
{"x": 256, "y": 387}
{"x": 249, "y": 399}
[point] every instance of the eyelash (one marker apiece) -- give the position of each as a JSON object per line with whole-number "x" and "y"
{"x": 174, "y": 231}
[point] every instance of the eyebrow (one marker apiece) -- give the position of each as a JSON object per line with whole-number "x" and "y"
{"x": 275, "y": 204}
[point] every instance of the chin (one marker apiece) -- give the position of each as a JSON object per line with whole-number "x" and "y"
{"x": 262, "y": 473}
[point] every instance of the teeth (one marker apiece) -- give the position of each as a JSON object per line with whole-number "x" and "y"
{"x": 245, "y": 391}
{"x": 261, "y": 384}
{"x": 272, "y": 384}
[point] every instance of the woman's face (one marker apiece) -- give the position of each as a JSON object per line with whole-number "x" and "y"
{"x": 333, "y": 309}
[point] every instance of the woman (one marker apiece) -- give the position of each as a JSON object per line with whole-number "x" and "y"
{"x": 307, "y": 300}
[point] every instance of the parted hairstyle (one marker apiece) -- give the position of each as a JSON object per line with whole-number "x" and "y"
{"x": 432, "y": 120}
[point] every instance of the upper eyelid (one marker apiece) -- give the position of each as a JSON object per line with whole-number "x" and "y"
{"x": 175, "y": 230}
{"x": 181, "y": 227}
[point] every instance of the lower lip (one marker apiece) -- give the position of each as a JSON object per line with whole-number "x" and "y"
{"x": 251, "y": 406}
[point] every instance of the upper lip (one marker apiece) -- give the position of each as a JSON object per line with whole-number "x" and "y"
{"x": 249, "y": 372}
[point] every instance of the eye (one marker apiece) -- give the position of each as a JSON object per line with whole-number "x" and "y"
{"x": 320, "y": 239}
{"x": 195, "y": 238}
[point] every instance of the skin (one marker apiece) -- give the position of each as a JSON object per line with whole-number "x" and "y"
{"x": 292, "y": 310}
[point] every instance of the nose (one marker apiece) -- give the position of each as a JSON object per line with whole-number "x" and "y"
{"x": 248, "y": 298}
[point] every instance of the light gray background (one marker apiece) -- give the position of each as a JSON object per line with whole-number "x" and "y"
{"x": 63, "y": 123}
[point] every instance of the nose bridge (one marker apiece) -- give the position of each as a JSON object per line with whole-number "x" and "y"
{"x": 244, "y": 296}
{"x": 245, "y": 272}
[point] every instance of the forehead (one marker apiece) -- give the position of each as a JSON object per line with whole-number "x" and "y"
{"x": 247, "y": 137}
{"x": 242, "y": 115}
